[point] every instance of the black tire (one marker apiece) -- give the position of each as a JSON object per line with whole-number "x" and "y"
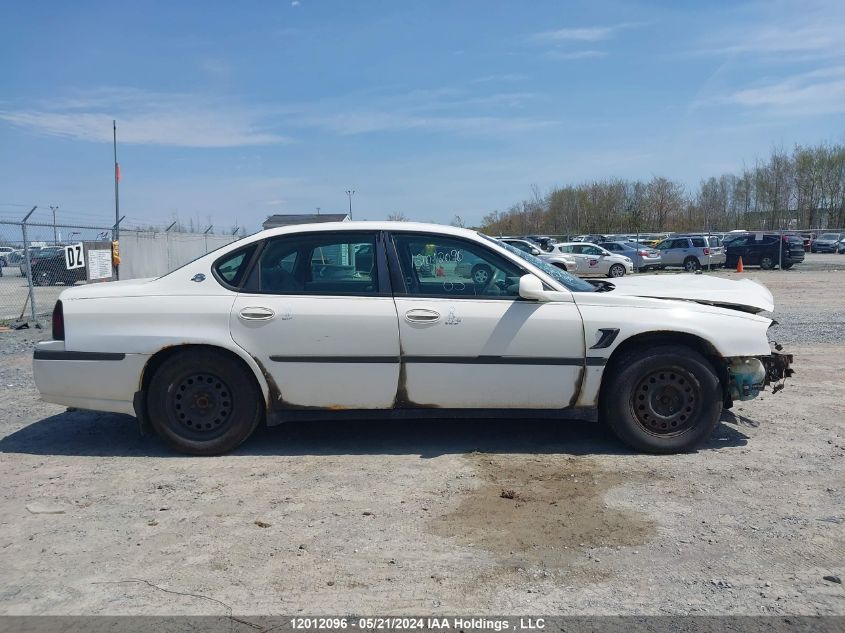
{"x": 561, "y": 266}
{"x": 45, "y": 278}
{"x": 691, "y": 264}
{"x": 3, "y": 263}
{"x": 767, "y": 262}
{"x": 202, "y": 402}
{"x": 615, "y": 271}
{"x": 481, "y": 275}
{"x": 664, "y": 399}
{"x": 788, "y": 266}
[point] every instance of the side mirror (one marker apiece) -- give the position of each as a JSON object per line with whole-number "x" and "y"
{"x": 530, "y": 287}
{"x": 535, "y": 251}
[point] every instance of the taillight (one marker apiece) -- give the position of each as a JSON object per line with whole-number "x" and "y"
{"x": 58, "y": 322}
{"x": 706, "y": 251}
{"x": 643, "y": 253}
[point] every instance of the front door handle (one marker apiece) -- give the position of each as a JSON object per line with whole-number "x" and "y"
{"x": 419, "y": 315}
{"x": 256, "y": 313}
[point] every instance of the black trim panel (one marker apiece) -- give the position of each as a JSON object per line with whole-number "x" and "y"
{"x": 335, "y": 359}
{"x": 43, "y": 354}
{"x": 608, "y": 335}
{"x": 493, "y": 360}
{"x": 449, "y": 360}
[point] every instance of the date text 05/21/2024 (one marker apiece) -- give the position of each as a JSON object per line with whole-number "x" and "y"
{"x": 417, "y": 623}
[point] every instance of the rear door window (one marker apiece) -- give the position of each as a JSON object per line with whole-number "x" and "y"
{"x": 332, "y": 264}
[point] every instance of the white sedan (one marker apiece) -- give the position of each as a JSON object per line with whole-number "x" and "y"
{"x": 591, "y": 259}
{"x": 371, "y": 319}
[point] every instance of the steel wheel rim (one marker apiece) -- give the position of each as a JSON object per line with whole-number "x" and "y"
{"x": 664, "y": 402}
{"x": 200, "y": 405}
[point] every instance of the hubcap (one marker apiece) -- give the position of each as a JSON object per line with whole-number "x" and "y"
{"x": 664, "y": 402}
{"x": 617, "y": 271}
{"x": 201, "y": 404}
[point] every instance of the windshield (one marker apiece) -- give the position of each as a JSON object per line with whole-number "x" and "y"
{"x": 571, "y": 282}
{"x": 829, "y": 236}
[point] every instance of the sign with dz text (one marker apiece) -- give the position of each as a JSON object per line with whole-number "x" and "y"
{"x": 74, "y": 256}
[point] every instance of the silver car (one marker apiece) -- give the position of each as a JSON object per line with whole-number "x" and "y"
{"x": 691, "y": 252}
{"x": 642, "y": 256}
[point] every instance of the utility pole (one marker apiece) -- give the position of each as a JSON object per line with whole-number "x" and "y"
{"x": 349, "y": 194}
{"x": 116, "y": 232}
{"x": 318, "y": 210}
{"x": 54, "y": 208}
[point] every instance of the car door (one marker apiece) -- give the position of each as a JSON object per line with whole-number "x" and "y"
{"x": 593, "y": 259}
{"x": 674, "y": 252}
{"x": 470, "y": 345}
{"x": 324, "y": 330}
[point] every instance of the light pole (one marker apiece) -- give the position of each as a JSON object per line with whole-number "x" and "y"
{"x": 349, "y": 194}
{"x": 54, "y": 208}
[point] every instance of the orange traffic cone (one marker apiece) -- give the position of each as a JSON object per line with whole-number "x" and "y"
{"x": 739, "y": 267}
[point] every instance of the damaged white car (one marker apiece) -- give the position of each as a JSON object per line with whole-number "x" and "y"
{"x": 372, "y": 319}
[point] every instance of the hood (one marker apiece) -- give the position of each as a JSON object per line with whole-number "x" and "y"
{"x": 745, "y": 295}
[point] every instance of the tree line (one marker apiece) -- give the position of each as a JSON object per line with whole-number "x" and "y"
{"x": 802, "y": 189}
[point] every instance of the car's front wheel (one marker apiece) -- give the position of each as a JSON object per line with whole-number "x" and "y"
{"x": 664, "y": 399}
{"x": 481, "y": 274}
{"x": 203, "y": 402}
{"x": 617, "y": 270}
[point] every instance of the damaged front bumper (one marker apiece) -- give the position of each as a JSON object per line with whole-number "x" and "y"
{"x": 749, "y": 375}
{"x": 778, "y": 369}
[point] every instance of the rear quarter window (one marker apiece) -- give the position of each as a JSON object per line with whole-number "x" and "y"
{"x": 231, "y": 268}
{"x": 698, "y": 242}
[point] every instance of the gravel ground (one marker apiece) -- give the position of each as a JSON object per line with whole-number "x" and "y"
{"x": 381, "y": 518}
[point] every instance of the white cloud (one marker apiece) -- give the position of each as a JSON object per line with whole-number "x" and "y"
{"x": 817, "y": 92}
{"x": 572, "y": 55}
{"x": 584, "y": 34}
{"x": 147, "y": 118}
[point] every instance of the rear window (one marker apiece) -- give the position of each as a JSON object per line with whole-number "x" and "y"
{"x": 698, "y": 241}
{"x": 714, "y": 241}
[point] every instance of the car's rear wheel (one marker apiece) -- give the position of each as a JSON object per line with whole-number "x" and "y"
{"x": 204, "y": 403}
{"x": 561, "y": 266}
{"x": 664, "y": 399}
{"x": 691, "y": 264}
{"x": 767, "y": 262}
{"x": 617, "y": 270}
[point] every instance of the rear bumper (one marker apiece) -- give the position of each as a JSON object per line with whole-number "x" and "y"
{"x": 100, "y": 381}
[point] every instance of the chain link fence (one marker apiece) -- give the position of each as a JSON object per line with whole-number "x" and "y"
{"x": 39, "y": 260}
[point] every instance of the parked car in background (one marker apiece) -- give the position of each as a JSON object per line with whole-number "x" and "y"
{"x": 764, "y": 250}
{"x": 524, "y": 245}
{"x": 543, "y": 241}
{"x": 691, "y": 252}
{"x": 840, "y": 247}
{"x": 49, "y": 268}
{"x": 591, "y": 259}
{"x": 236, "y": 339}
{"x": 826, "y": 243}
{"x": 5, "y": 251}
{"x": 643, "y": 257}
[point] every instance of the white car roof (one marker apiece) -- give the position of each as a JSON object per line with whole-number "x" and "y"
{"x": 363, "y": 225}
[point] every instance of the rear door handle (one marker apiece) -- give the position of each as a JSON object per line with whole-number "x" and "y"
{"x": 420, "y": 315}
{"x": 256, "y": 313}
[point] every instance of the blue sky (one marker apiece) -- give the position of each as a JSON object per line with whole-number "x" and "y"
{"x": 230, "y": 111}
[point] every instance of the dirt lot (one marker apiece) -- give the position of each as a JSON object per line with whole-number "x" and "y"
{"x": 392, "y": 518}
